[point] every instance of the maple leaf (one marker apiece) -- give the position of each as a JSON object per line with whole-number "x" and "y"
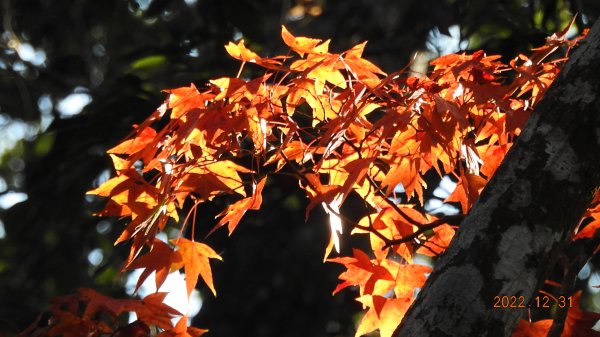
{"x": 404, "y": 169}
{"x": 593, "y": 212}
{"x": 323, "y": 70}
{"x": 240, "y": 52}
{"x": 119, "y": 163}
{"x": 234, "y": 212}
{"x": 228, "y": 87}
{"x": 319, "y": 193}
{"x": 70, "y": 325}
{"x": 293, "y": 151}
{"x": 353, "y": 276}
{"x": 357, "y": 170}
{"x": 181, "y": 329}
{"x": 138, "y": 143}
{"x": 388, "y": 223}
{"x": 303, "y": 90}
{"x": 97, "y": 302}
{"x": 371, "y": 277}
{"x": 409, "y": 278}
{"x": 384, "y": 314}
{"x": 492, "y": 157}
{"x": 134, "y": 329}
{"x": 590, "y": 229}
{"x": 159, "y": 259}
{"x": 438, "y": 242}
{"x": 195, "y": 257}
{"x": 67, "y": 319}
{"x": 152, "y": 310}
{"x": 361, "y": 69}
{"x": 182, "y": 100}
{"x": 532, "y": 329}
{"x": 130, "y": 195}
{"x": 213, "y": 179}
{"x": 304, "y": 45}
{"x": 467, "y": 190}
{"x": 579, "y": 323}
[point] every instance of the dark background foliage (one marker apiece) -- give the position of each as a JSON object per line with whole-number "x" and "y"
{"x": 122, "y": 54}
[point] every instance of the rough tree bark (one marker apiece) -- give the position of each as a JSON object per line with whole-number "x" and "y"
{"x": 509, "y": 241}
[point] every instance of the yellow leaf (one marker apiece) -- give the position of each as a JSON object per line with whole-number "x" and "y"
{"x": 304, "y": 45}
{"x": 240, "y": 52}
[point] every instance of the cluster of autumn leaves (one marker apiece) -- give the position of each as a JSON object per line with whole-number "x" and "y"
{"x": 368, "y": 133}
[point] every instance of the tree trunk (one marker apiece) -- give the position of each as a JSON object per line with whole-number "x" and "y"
{"x": 508, "y": 243}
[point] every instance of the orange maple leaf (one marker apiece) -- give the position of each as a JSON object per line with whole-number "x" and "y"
{"x": 159, "y": 259}
{"x": 590, "y": 229}
{"x": 304, "y": 45}
{"x": 240, "y": 52}
{"x": 532, "y": 329}
{"x": 363, "y": 272}
{"x": 136, "y": 144}
{"x": 152, "y": 310}
{"x": 181, "y": 329}
{"x": 408, "y": 278}
{"x": 71, "y": 325}
{"x": 234, "y": 212}
{"x": 578, "y": 323}
{"x": 97, "y": 302}
{"x": 195, "y": 257}
{"x": 384, "y": 314}
{"x": 438, "y": 242}
{"x": 467, "y": 190}
{"x": 363, "y": 70}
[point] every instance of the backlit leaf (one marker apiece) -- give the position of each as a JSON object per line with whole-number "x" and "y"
{"x": 234, "y": 212}
{"x": 304, "y": 45}
{"x": 195, "y": 256}
{"x": 159, "y": 259}
{"x": 181, "y": 329}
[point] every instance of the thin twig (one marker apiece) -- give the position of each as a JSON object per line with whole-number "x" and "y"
{"x": 391, "y": 203}
{"x": 423, "y": 228}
